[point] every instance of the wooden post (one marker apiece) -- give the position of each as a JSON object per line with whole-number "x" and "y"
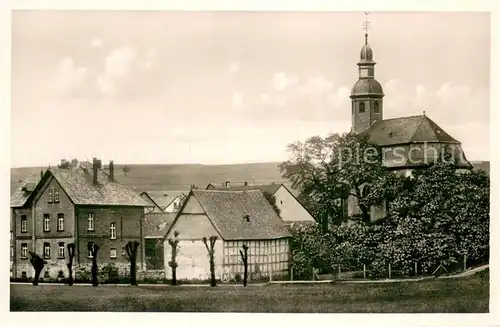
{"x": 291, "y": 274}
{"x": 416, "y": 268}
{"x": 390, "y": 271}
{"x": 364, "y": 271}
{"x": 313, "y": 273}
{"x": 339, "y": 270}
{"x": 271, "y": 272}
{"x": 465, "y": 262}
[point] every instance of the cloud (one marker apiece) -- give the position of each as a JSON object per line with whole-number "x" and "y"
{"x": 69, "y": 79}
{"x": 237, "y": 101}
{"x": 234, "y": 67}
{"x": 281, "y": 81}
{"x": 96, "y": 42}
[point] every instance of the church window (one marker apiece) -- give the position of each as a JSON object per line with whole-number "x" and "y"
{"x": 361, "y": 107}
{"x": 375, "y": 107}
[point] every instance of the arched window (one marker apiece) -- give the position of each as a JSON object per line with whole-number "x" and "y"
{"x": 361, "y": 107}
{"x": 375, "y": 107}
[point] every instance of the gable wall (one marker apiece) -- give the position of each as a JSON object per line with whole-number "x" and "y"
{"x": 290, "y": 209}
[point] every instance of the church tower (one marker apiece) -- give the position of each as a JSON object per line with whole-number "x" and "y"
{"x": 366, "y": 94}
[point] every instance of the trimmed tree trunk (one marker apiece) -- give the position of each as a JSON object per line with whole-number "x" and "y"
{"x": 38, "y": 263}
{"x": 244, "y": 258}
{"x": 93, "y": 249}
{"x": 211, "y": 256}
{"x": 174, "y": 243}
{"x": 131, "y": 248}
{"x": 71, "y": 255}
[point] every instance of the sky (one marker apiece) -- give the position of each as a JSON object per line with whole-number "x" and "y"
{"x": 152, "y": 87}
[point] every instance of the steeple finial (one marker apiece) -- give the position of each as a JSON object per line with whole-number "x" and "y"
{"x": 366, "y": 26}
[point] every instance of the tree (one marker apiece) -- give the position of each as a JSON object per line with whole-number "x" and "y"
{"x": 93, "y": 249}
{"x": 38, "y": 263}
{"x": 326, "y": 170}
{"x": 131, "y": 249}
{"x": 126, "y": 170}
{"x": 71, "y": 255}
{"x": 272, "y": 201}
{"x": 174, "y": 244}
{"x": 244, "y": 258}
{"x": 211, "y": 256}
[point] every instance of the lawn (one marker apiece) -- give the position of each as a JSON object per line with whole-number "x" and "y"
{"x": 460, "y": 295}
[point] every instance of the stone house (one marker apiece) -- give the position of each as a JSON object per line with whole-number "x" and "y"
{"x": 75, "y": 203}
{"x": 164, "y": 201}
{"x": 292, "y": 212}
{"x": 235, "y": 218}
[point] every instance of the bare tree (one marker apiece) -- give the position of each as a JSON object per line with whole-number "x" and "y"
{"x": 244, "y": 258}
{"x": 38, "y": 263}
{"x": 131, "y": 248}
{"x": 71, "y": 255}
{"x": 93, "y": 249}
{"x": 174, "y": 243}
{"x": 211, "y": 256}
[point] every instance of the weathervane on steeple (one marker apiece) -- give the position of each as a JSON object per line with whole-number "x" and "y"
{"x": 366, "y": 26}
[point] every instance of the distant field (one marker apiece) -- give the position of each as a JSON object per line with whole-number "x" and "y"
{"x": 460, "y": 295}
{"x": 180, "y": 177}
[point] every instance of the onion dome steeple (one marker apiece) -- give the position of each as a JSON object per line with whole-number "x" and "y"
{"x": 367, "y": 93}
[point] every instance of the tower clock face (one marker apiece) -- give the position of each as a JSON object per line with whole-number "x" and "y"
{"x": 363, "y": 73}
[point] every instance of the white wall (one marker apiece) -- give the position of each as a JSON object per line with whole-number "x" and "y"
{"x": 290, "y": 209}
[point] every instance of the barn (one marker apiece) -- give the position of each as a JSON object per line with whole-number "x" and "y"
{"x": 235, "y": 218}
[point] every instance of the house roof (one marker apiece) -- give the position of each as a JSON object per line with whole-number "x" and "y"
{"x": 412, "y": 129}
{"x": 164, "y": 198}
{"x": 77, "y": 182}
{"x": 19, "y": 197}
{"x": 157, "y": 224}
{"x": 227, "y": 210}
{"x": 269, "y": 188}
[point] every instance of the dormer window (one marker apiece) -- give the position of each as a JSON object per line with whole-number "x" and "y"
{"x": 247, "y": 217}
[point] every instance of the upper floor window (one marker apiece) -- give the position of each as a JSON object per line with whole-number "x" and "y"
{"x": 112, "y": 231}
{"x": 50, "y": 196}
{"x": 91, "y": 221}
{"x": 46, "y": 222}
{"x": 24, "y": 250}
{"x": 46, "y": 250}
{"x": 60, "y": 222}
{"x": 56, "y": 195}
{"x": 361, "y": 107}
{"x": 24, "y": 224}
{"x": 375, "y": 107}
{"x": 60, "y": 250}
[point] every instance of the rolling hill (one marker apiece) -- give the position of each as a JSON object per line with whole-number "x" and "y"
{"x": 179, "y": 177}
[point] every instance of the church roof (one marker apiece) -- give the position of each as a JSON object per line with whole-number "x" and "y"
{"x": 412, "y": 129}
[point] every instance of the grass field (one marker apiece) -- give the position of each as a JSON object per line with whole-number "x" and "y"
{"x": 459, "y": 295}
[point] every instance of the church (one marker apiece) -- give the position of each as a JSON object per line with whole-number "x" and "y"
{"x": 407, "y": 143}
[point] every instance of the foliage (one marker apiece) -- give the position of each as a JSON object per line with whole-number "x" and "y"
{"x": 131, "y": 249}
{"x": 244, "y": 258}
{"x": 174, "y": 244}
{"x": 126, "y": 170}
{"x": 331, "y": 169}
{"x": 437, "y": 216}
{"x": 211, "y": 255}
{"x": 38, "y": 263}
{"x": 272, "y": 201}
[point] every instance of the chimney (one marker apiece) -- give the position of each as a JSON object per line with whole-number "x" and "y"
{"x": 41, "y": 174}
{"x": 228, "y": 184}
{"x": 245, "y": 184}
{"x": 95, "y": 170}
{"x": 111, "y": 171}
